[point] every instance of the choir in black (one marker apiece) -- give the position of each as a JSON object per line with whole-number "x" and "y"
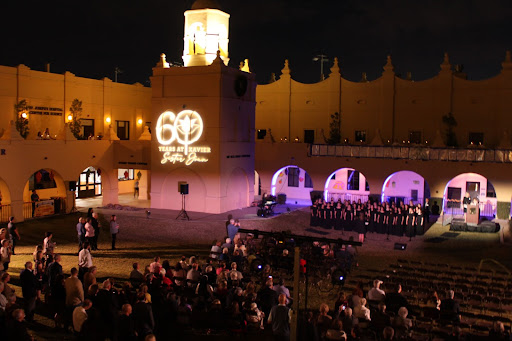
{"x": 384, "y": 218}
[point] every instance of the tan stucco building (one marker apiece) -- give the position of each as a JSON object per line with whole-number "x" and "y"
{"x": 253, "y": 139}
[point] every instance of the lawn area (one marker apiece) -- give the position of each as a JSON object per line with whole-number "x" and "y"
{"x": 141, "y": 239}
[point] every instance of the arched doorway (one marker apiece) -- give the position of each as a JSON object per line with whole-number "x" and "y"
{"x": 405, "y": 186}
{"x": 293, "y": 182}
{"x": 346, "y": 184}
{"x": 237, "y": 194}
{"x": 478, "y": 187}
{"x": 5, "y": 202}
{"x": 257, "y": 185}
{"x": 89, "y": 183}
{"x": 195, "y": 200}
{"x": 50, "y": 189}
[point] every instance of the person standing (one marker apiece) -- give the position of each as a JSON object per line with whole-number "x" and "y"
{"x": 74, "y": 291}
{"x": 232, "y": 229}
{"x": 96, "y": 225}
{"x": 5, "y": 254}
{"x": 84, "y": 260}
{"x": 34, "y": 197}
{"x": 114, "y": 230}
{"x": 29, "y": 286}
{"x": 48, "y": 246}
{"x": 426, "y": 210}
{"x": 13, "y": 232}
{"x": 280, "y": 318}
{"x": 136, "y": 189}
{"x": 80, "y": 230}
{"x": 89, "y": 232}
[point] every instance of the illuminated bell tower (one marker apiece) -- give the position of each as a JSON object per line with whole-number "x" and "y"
{"x": 206, "y": 32}
{"x": 203, "y": 118}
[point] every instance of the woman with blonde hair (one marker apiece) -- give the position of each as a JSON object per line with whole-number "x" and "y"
{"x": 361, "y": 312}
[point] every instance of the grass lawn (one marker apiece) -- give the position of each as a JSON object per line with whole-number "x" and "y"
{"x": 141, "y": 239}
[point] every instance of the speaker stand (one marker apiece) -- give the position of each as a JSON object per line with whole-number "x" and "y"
{"x": 183, "y": 213}
{"x": 73, "y": 209}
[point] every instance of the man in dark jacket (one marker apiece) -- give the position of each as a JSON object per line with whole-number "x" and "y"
{"x": 29, "y": 289}
{"x": 143, "y": 316}
{"x": 16, "y": 328}
{"x": 280, "y": 318}
{"x": 450, "y": 309}
{"x": 395, "y": 300}
{"x": 127, "y": 324}
{"x": 267, "y": 297}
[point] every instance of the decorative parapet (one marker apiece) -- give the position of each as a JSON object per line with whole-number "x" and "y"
{"x": 413, "y": 153}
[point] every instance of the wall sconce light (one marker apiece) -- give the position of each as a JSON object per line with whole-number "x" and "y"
{"x": 108, "y": 120}
{"x": 139, "y": 121}
{"x": 70, "y": 117}
{"x": 24, "y": 115}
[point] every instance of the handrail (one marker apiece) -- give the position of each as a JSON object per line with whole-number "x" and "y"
{"x": 412, "y": 153}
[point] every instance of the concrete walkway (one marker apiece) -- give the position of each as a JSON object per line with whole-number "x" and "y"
{"x": 131, "y": 206}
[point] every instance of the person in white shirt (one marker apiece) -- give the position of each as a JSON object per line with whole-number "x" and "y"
{"x": 84, "y": 260}
{"x": 361, "y": 312}
{"x": 80, "y": 315}
{"x": 155, "y": 266}
{"x": 376, "y": 293}
{"x": 280, "y": 288}
{"x": 48, "y": 244}
{"x": 216, "y": 250}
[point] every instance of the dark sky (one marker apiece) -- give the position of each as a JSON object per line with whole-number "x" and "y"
{"x": 91, "y": 38}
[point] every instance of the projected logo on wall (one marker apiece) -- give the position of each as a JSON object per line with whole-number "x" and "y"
{"x": 177, "y": 134}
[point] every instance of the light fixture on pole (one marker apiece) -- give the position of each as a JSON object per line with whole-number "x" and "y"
{"x": 116, "y": 72}
{"x": 322, "y": 58}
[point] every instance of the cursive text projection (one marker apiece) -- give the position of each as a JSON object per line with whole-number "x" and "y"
{"x": 177, "y": 133}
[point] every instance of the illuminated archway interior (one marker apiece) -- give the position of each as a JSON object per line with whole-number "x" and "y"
{"x": 295, "y": 183}
{"x": 405, "y": 186}
{"x": 50, "y": 188}
{"x": 478, "y": 187}
{"x": 346, "y": 184}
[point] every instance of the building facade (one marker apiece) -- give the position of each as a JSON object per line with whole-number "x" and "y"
{"x": 210, "y": 127}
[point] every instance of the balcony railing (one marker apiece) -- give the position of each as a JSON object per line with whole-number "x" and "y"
{"x": 413, "y": 153}
{"x": 5, "y": 213}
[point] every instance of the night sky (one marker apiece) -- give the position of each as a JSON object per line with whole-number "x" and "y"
{"x": 91, "y": 38}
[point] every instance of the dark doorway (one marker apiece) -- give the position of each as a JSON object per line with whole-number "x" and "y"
{"x": 123, "y": 130}
{"x": 87, "y": 128}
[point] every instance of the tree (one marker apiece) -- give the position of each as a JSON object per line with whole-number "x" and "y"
{"x": 21, "y": 109}
{"x": 334, "y": 130}
{"x": 450, "y": 122}
{"x": 76, "y": 122}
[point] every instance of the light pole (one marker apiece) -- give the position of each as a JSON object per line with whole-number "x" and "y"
{"x": 116, "y": 72}
{"x": 322, "y": 58}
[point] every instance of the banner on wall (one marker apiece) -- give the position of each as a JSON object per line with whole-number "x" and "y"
{"x": 44, "y": 208}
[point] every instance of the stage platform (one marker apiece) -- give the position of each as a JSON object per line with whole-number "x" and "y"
{"x": 485, "y": 226}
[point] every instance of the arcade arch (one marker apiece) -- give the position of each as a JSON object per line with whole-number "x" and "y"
{"x": 405, "y": 186}
{"x": 5, "y": 202}
{"x": 195, "y": 200}
{"x": 295, "y": 183}
{"x": 51, "y": 190}
{"x": 346, "y": 184}
{"x": 478, "y": 187}
{"x": 237, "y": 195}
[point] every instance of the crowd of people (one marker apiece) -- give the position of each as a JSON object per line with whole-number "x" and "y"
{"x": 239, "y": 288}
{"x": 219, "y": 294}
{"x": 385, "y": 218}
